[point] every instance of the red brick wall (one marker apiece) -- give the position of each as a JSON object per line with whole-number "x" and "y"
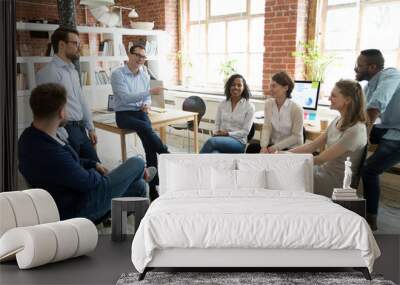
{"x": 164, "y": 14}
{"x": 285, "y": 25}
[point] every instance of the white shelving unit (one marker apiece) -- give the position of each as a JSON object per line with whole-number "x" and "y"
{"x": 96, "y": 94}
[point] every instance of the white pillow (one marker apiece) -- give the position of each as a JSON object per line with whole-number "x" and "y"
{"x": 283, "y": 172}
{"x": 251, "y": 178}
{"x": 184, "y": 177}
{"x": 293, "y": 180}
{"x": 223, "y": 179}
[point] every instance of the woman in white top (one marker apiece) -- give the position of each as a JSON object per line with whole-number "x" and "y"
{"x": 345, "y": 137}
{"x": 283, "y": 118}
{"x": 234, "y": 119}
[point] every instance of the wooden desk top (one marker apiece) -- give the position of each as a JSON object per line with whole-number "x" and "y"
{"x": 105, "y": 120}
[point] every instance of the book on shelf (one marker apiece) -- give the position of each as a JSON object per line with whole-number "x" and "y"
{"x": 106, "y": 48}
{"x": 122, "y": 51}
{"x": 151, "y": 48}
{"x": 344, "y": 194}
{"x": 102, "y": 77}
{"x": 334, "y": 197}
{"x": 341, "y": 190}
{"x": 85, "y": 78}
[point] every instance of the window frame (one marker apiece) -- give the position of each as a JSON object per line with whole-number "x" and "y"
{"x": 247, "y": 16}
{"x": 360, "y": 6}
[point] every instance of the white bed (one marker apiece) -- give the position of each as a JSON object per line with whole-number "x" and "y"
{"x": 218, "y": 224}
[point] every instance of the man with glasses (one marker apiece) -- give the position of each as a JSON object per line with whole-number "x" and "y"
{"x": 382, "y": 95}
{"x": 131, "y": 87}
{"x": 61, "y": 70}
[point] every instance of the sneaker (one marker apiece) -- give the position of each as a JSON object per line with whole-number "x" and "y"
{"x": 150, "y": 173}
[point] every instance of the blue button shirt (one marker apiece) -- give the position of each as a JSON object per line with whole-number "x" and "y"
{"x": 383, "y": 93}
{"x": 131, "y": 90}
{"x": 65, "y": 74}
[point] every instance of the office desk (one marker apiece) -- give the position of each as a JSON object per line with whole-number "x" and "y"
{"x": 160, "y": 119}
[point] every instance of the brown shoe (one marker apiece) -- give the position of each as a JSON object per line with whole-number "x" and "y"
{"x": 371, "y": 219}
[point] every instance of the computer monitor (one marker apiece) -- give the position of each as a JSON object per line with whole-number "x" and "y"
{"x": 306, "y": 94}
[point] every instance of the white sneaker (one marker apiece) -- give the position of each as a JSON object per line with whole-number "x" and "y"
{"x": 151, "y": 173}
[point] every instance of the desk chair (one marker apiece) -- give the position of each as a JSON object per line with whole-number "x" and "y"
{"x": 191, "y": 104}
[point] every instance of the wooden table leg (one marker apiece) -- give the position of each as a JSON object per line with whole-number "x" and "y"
{"x": 163, "y": 135}
{"x": 195, "y": 134}
{"x": 123, "y": 147}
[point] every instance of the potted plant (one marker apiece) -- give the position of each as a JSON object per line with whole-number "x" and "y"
{"x": 314, "y": 60}
{"x": 228, "y": 68}
{"x": 187, "y": 66}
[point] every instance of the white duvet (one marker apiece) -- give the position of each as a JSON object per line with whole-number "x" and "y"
{"x": 253, "y": 218}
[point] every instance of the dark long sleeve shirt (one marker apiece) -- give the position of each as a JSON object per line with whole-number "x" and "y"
{"x": 46, "y": 163}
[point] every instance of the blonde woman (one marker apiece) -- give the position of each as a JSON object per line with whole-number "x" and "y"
{"x": 345, "y": 137}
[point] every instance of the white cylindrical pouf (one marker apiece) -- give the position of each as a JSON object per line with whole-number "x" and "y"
{"x": 45, "y": 205}
{"x": 23, "y": 207}
{"x": 87, "y": 235}
{"x": 34, "y": 246}
{"x": 67, "y": 239}
{"x": 7, "y": 217}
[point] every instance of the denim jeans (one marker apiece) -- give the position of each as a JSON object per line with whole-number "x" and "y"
{"x": 124, "y": 181}
{"x": 223, "y": 145}
{"x": 81, "y": 143}
{"x": 386, "y": 156}
{"x": 139, "y": 122}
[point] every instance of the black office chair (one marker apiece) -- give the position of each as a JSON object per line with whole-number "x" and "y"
{"x": 251, "y": 133}
{"x": 191, "y": 104}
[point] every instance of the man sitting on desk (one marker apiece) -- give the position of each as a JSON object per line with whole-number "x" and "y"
{"x": 80, "y": 187}
{"x": 131, "y": 87}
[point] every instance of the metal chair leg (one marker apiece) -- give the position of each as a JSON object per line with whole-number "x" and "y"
{"x": 188, "y": 133}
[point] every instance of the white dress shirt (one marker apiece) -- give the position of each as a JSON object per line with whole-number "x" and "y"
{"x": 132, "y": 91}
{"x": 282, "y": 128}
{"x": 237, "y": 122}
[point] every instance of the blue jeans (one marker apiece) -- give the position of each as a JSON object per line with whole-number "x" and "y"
{"x": 124, "y": 181}
{"x": 223, "y": 145}
{"x": 139, "y": 122}
{"x": 81, "y": 143}
{"x": 386, "y": 156}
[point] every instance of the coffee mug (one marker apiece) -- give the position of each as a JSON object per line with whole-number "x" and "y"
{"x": 323, "y": 124}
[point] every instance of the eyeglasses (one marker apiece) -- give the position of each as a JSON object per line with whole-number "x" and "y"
{"x": 76, "y": 43}
{"x": 139, "y": 55}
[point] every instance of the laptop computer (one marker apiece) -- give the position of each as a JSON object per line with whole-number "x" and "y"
{"x": 158, "y": 100}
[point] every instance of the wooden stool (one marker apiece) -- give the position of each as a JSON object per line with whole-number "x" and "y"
{"x": 120, "y": 207}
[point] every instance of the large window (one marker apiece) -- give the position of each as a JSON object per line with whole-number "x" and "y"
{"x": 223, "y": 33}
{"x": 353, "y": 25}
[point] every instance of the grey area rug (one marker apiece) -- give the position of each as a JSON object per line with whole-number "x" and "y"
{"x": 228, "y": 278}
